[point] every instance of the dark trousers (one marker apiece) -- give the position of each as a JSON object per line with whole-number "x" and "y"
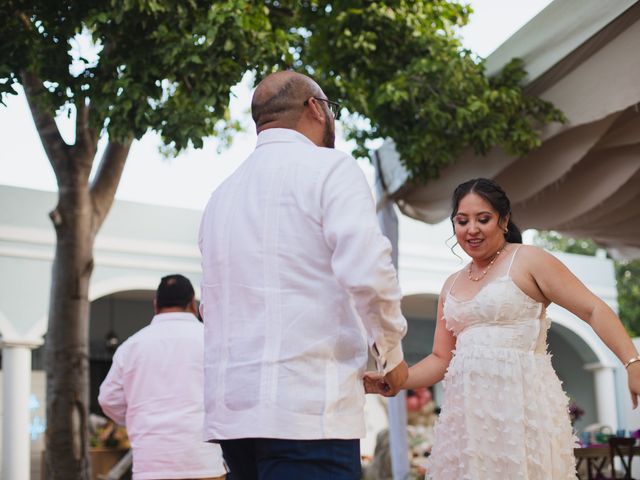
{"x": 277, "y": 459}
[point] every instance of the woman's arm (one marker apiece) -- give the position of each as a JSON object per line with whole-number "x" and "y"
{"x": 430, "y": 369}
{"x": 560, "y": 286}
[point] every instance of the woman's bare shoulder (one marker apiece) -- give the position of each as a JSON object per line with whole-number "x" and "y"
{"x": 533, "y": 253}
{"x": 538, "y": 261}
{"x": 449, "y": 281}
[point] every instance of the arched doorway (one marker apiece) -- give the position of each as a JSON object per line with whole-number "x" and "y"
{"x": 570, "y": 354}
{"x": 420, "y": 311}
{"x": 113, "y": 319}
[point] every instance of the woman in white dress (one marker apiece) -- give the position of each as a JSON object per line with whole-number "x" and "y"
{"x": 504, "y": 414}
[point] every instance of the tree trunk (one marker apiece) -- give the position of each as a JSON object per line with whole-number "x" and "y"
{"x": 67, "y": 349}
{"x": 81, "y": 210}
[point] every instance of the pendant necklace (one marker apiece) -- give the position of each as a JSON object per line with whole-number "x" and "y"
{"x": 484, "y": 272}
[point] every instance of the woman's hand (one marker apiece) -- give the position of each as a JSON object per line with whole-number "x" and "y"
{"x": 633, "y": 375}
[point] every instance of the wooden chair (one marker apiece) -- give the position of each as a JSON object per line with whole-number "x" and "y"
{"x": 622, "y": 448}
{"x": 595, "y": 468}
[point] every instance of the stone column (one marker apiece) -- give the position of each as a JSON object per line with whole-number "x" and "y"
{"x": 16, "y": 388}
{"x": 605, "y": 390}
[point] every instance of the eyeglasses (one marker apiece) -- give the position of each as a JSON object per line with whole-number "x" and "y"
{"x": 335, "y": 107}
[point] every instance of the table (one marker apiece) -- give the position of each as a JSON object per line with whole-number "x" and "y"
{"x": 103, "y": 459}
{"x": 596, "y": 457}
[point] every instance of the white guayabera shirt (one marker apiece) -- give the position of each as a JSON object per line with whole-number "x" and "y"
{"x": 297, "y": 279}
{"x": 155, "y": 388}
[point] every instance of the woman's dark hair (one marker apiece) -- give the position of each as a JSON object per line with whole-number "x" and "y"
{"x": 492, "y": 193}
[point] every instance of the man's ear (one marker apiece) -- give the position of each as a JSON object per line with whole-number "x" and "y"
{"x": 316, "y": 111}
{"x": 155, "y": 305}
{"x": 193, "y": 306}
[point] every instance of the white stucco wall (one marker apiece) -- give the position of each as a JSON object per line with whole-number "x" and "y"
{"x": 140, "y": 243}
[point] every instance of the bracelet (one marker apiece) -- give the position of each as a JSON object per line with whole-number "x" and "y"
{"x": 633, "y": 360}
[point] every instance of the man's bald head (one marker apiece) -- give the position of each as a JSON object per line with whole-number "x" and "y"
{"x": 279, "y": 98}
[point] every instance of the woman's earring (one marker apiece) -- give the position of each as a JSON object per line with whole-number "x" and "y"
{"x": 506, "y": 230}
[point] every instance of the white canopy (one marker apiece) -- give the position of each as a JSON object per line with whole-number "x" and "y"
{"x": 584, "y": 181}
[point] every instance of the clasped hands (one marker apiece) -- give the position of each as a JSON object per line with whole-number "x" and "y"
{"x": 386, "y": 385}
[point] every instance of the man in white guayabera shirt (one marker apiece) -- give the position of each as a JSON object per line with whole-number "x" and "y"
{"x": 297, "y": 279}
{"x": 155, "y": 388}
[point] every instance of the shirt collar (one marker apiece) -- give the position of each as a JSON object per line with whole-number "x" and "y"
{"x": 282, "y": 135}
{"x": 173, "y": 316}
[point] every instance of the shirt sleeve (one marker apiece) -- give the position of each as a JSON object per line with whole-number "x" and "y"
{"x": 111, "y": 397}
{"x": 361, "y": 260}
{"x": 200, "y": 247}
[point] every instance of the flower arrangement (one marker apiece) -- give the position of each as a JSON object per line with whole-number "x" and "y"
{"x": 421, "y": 419}
{"x": 109, "y": 435}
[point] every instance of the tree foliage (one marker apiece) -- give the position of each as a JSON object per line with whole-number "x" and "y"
{"x": 554, "y": 241}
{"x": 161, "y": 65}
{"x": 628, "y": 282}
{"x": 627, "y": 275}
{"x": 400, "y": 65}
{"x": 167, "y": 66}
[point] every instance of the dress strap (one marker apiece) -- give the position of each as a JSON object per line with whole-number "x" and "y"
{"x": 453, "y": 283}
{"x": 512, "y": 259}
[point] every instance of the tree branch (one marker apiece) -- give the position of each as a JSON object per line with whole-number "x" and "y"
{"x": 105, "y": 183}
{"x": 55, "y": 147}
{"x": 24, "y": 19}
{"x": 86, "y": 137}
{"x": 282, "y": 11}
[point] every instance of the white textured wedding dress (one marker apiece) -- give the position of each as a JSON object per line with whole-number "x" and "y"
{"x": 504, "y": 414}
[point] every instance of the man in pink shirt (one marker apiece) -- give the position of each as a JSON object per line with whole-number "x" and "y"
{"x": 155, "y": 389}
{"x": 297, "y": 282}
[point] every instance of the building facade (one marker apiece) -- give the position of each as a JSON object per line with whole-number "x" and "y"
{"x": 140, "y": 243}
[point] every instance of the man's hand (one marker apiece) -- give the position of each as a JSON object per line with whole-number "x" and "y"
{"x": 396, "y": 378}
{"x": 373, "y": 383}
{"x": 388, "y": 385}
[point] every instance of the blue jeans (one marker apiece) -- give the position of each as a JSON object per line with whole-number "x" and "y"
{"x": 277, "y": 459}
